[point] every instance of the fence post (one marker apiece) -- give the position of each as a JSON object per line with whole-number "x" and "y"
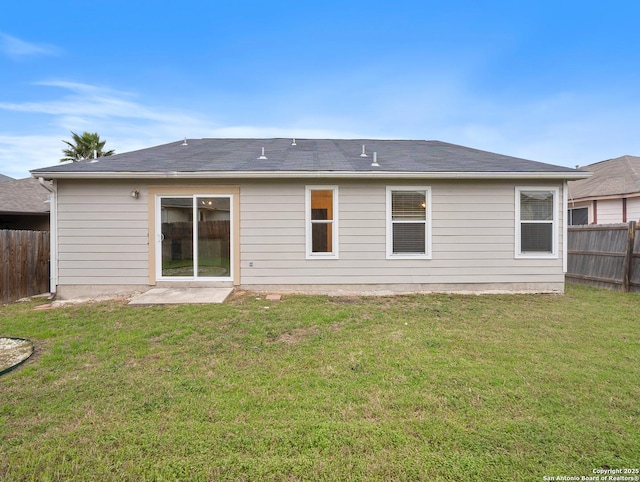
{"x": 628, "y": 258}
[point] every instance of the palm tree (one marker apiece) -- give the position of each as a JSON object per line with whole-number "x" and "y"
{"x": 85, "y": 146}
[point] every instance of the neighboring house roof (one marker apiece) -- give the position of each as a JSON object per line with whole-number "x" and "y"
{"x": 23, "y": 196}
{"x": 308, "y": 157}
{"x": 5, "y": 178}
{"x": 613, "y": 177}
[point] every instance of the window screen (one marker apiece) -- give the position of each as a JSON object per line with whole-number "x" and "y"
{"x": 537, "y": 221}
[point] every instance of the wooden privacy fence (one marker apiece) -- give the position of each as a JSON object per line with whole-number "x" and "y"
{"x": 607, "y": 256}
{"x": 24, "y": 264}
{"x": 178, "y": 240}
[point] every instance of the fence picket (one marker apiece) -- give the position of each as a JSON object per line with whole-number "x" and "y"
{"x": 604, "y": 255}
{"x": 24, "y": 263}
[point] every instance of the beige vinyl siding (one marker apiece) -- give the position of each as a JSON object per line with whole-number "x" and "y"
{"x": 272, "y": 222}
{"x": 103, "y": 234}
{"x": 633, "y": 209}
{"x": 610, "y": 211}
{"x": 473, "y": 226}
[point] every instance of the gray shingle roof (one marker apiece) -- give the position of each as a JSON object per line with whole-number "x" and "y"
{"x": 308, "y": 155}
{"x": 612, "y": 177}
{"x": 5, "y": 178}
{"x": 23, "y": 196}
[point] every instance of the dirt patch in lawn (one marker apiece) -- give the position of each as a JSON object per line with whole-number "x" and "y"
{"x": 13, "y": 352}
{"x": 297, "y": 335}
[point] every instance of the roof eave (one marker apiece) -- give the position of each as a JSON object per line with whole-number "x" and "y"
{"x": 570, "y": 175}
{"x": 23, "y": 213}
{"x": 606, "y": 197}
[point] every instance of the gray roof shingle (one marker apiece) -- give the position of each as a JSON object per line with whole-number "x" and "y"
{"x": 23, "y": 196}
{"x": 612, "y": 177}
{"x": 325, "y": 155}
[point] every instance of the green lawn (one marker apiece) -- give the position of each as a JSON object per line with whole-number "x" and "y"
{"x": 213, "y": 267}
{"x": 436, "y": 387}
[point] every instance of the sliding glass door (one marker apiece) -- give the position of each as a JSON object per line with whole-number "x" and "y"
{"x": 195, "y": 239}
{"x": 213, "y": 233}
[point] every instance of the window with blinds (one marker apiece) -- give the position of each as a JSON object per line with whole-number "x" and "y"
{"x": 408, "y": 222}
{"x": 536, "y": 213}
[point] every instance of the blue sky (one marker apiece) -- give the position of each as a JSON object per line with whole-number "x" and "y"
{"x": 557, "y": 82}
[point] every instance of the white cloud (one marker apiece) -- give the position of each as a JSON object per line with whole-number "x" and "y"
{"x": 560, "y": 129}
{"x": 19, "y": 154}
{"x": 120, "y": 119}
{"x": 96, "y": 102}
{"x": 117, "y": 116}
{"x": 128, "y": 124}
{"x": 16, "y": 48}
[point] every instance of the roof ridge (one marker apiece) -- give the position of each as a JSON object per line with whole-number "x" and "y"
{"x": 619, "y": 158}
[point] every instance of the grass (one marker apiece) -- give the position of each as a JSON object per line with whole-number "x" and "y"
{"x": 213, "y": 267}
{"x": 436, "y": 387}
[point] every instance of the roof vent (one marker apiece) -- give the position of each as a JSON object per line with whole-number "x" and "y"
{"x": 262, "y": 156}
{"x": 293, "y": 142}
{"x": 185, "y": 142}
{"x": 364, "y": 154}
{"x": 375, "y": 160}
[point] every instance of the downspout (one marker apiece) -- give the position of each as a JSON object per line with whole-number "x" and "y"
{"x": 53, "y": 235}
{"x": 565, "y": 227}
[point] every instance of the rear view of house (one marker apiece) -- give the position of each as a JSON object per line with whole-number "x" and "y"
{"x": 309, "y": 215}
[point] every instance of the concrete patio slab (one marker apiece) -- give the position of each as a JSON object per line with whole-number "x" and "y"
{"x": 177, "y": 296}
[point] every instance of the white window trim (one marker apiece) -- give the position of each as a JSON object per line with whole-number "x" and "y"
{"x": 334, "y": 231}
{"x": 554, "y": 224}
{"x": 427, "y": 224}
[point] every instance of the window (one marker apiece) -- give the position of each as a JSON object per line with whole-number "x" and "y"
{"x": 408, "y": 222}
{"x": 536, "y": 210}
{"x": 578, "y": 216}
{"x": 322, "y": 221}
{"x": 188, "y": 250}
